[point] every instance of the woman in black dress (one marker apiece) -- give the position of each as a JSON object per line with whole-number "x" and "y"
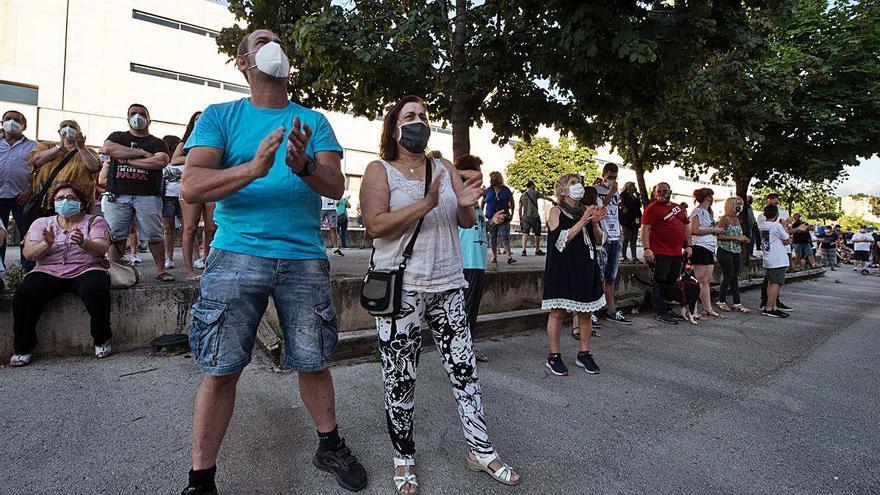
{"x": 571, "y": 274}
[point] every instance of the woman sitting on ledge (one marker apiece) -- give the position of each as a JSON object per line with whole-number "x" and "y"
{"x": 69, "y": 250}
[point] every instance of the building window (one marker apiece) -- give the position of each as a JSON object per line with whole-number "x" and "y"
{"x": 17, "y": 93}
{"x": 164, "y": 21}
{"x": 189, "y": 78}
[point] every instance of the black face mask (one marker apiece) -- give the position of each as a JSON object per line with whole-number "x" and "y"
{"x": 414, "y": 137}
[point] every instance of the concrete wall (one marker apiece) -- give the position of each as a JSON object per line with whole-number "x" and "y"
{"x": 142, "y": 313}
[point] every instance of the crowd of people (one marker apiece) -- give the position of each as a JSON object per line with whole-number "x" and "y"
{"x": 267, "y": 172}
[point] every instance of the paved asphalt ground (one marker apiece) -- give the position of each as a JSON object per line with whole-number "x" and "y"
{"x": 747, "y": 405}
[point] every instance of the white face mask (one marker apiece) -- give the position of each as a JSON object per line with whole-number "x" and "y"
{"x": 137, "y": 122}
{"x": 271, "y": 60}
{"x": 12, "y": 127}
{"x": 576, "y": 191}
{"x": 67, "y": 132}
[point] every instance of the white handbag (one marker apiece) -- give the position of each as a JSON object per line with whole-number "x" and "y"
{"x": 121, "y": 276}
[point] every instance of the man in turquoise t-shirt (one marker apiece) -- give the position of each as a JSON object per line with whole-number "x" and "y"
{"x": 266, "y": 161}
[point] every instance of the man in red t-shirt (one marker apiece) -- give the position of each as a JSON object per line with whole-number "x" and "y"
{"x": 665, "y": 229}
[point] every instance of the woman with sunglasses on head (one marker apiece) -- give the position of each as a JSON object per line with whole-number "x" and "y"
{"x": 393, "y": 200}
{"x": 192, "y": 213}
{"x": 69, "y": 250}
{"x": 704, "y": 231}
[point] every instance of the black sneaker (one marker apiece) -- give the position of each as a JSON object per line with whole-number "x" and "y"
{"x": 198, "y": 490}
{"x": 666, "y": 318}
{"x": 585, "y": 361}
{"x": 557, "y": 367}
{"x": 538, "y": 252}
{"x": 523, "y": 253}
{"x": 596, "y": 322}
{"x": 338, "y": 253}
{"x": 341, "y": 463}
{"x": 774, "y": 313}
{"x": 783, "y": 307}
{"x": 618, "y": 317}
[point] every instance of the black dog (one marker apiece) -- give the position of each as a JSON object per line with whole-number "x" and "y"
{"x": 688, "y": 293}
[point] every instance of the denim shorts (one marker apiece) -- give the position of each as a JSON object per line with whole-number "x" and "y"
{"x": 147, "y": 210}
{"x": 499, "y": 231}
{"x": 803, "y": 250}
{"x": 235, "y": 290}
{"x": 610, "y": 260}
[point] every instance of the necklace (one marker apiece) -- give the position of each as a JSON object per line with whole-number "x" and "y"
{"x": 412, "y": 169}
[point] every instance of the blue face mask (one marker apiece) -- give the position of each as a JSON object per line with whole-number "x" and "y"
{"x": 67, "y": 207}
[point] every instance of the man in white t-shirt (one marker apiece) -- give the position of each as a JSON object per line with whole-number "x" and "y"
{"x": 862, "y": 242}
{"x": 606, "y": 187}
{"x": 328, "y": 221}
{"x": 785, "y": 221}
{"x": 774, "y": 238}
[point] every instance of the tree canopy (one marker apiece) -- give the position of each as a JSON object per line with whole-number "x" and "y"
{"x": 802, "y": 112}
{"x": 471, "y": 64}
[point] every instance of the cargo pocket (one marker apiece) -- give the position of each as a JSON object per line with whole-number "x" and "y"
{"x": 207, "y": 317}
{"x": 329, "y": 333}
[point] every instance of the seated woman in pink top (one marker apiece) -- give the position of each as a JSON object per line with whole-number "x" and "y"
{"x": 69, "y": 250}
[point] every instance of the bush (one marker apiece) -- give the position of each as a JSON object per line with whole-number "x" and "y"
{"x": 14, "y": 273}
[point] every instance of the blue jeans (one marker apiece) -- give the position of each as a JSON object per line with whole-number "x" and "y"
{"x": 7, "y": 206}
{"x": 611, "y": 263}
{"x": 235, "y": 290}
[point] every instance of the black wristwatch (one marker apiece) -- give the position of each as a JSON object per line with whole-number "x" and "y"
{"x": 309, "y": 169}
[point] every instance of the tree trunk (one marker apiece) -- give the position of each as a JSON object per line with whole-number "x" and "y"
{"x": 461, "y": 128}
{"x": 461, "y": 111}
{"x": 742, "y": 185}
{"x": 640, "y": 178}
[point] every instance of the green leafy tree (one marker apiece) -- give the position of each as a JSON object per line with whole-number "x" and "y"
{"x": 543, "y": 163}
{"x": 626, "y": 69}
{"x": 471, "y": 63}
{"x": 803, "y": 112}
{"x": 815, "y": 201}
{"x": 851, "y": 223}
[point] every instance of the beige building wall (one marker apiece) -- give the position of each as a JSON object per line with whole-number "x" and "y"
{"x": 858, "y": 207}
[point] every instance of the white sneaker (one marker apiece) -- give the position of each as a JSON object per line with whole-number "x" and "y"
{"x": 135, "y": 259}
{"x": 199, "y": 264}
{"x": 169, "y": 264}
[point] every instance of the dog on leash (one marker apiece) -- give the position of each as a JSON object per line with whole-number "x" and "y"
{"x": 688, "y": 293}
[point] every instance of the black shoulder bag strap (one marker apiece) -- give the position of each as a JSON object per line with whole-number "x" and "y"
{"x": 407, "y": 252}
{"x": 48, "y": 182}
{"x": 36, "y": 201}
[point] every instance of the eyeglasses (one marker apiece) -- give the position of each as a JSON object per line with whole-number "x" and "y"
{"x": 70, "y": 197}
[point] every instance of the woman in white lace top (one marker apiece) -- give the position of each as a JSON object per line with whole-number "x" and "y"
{"x": 571, "y": 273}
{"x": 393, "y": 199}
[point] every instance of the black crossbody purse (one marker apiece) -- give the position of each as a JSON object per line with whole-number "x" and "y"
{"x": 382, "y": 290}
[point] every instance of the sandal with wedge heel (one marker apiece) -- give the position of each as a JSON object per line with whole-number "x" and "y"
{"x": 407, "y": 478}
{"x": 503, "y": 474}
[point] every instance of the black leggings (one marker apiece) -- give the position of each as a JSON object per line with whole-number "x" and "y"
{"x": 473, "y": 294}
{"x": 630, "y": 235}
{"x": 37, "y": 288}
{"x": 730, "y": 266}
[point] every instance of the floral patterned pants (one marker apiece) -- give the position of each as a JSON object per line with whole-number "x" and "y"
{"x": 400, "y": 342}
